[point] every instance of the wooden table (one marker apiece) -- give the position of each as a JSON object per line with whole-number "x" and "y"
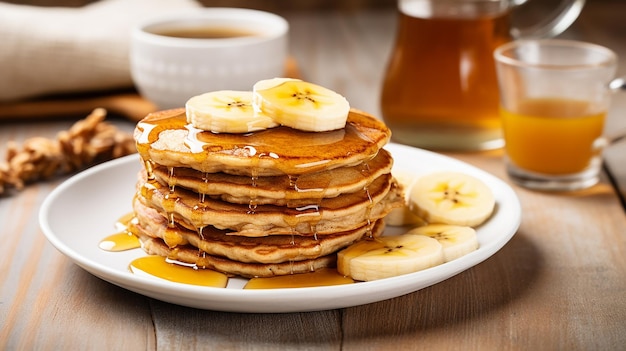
{"x": 559, "y": 284}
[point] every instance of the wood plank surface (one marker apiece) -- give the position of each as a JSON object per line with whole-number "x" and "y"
{"x": 180, "y": 328}
{"x": 602, "y": 22}
{"x": 47, "y": 302}
{"x": 557, "y": 285}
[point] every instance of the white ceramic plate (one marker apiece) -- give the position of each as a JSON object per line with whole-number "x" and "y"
{"x": 83, "y": 210}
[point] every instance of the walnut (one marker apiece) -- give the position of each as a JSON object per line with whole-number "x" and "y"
{"x": 88, "y": 142}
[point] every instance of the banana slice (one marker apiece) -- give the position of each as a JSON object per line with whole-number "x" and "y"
{"x": 451, "y": 198}
{"x": 389, "y": 256}
{"x": 456, "y": 240}
{"x": 401, "y": 216}
{"x": 301, "y": 105}
{"x": 270, "y": 83}
{"x": 226, "y": 111}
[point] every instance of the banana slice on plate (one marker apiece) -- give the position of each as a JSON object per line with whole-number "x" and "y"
{"x": 389, "y": 256}
{"x": 226, "y": 111}
{"x": 456, "y": 240}
{"x": 301, "y": 105}
{"x": 451, "y": 198}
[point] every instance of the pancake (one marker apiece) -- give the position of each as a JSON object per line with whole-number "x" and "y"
{"x": 282, "y": 190}
{"x": 328, "y": 216}
{"x": 272, "y": 202}
{"x": 191, "y": 255}
{"x": 165, "y": 138}
{"x": 269, "y": 249}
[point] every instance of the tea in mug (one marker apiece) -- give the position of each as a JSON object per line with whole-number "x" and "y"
{"x": 552, "y": 135}
{"x": 205, "y": 32}
{"x": 440, "y": 89}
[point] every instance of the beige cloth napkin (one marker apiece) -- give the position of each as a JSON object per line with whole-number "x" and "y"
{"x": 47, "y": 50}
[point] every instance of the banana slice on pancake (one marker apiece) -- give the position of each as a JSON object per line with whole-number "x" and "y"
{"x": 226, "y": 111}
{"x": 279, "y": 101}
{"x": 301, "y": 105}
{"x": 389, "y": 256}
{"x": 268, "y": 83}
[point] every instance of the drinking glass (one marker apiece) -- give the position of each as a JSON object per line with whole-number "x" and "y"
{"x": 554, "y": 98}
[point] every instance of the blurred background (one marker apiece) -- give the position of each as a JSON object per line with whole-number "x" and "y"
{"x": 601, "y": 22}
{"x": 367, "y": 28}
{"x": 268, "y": 5}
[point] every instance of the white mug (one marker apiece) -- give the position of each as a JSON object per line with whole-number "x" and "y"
{"x": 175, "y": 57}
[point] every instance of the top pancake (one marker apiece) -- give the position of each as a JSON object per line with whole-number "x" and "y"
{"x": 166, "y": 139}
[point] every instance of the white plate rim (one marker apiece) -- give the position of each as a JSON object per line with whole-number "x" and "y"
{"x": 407, "y": 158}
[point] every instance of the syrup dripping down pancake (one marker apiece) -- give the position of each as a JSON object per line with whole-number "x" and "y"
{"x": 269, "y": 249}
{"x": 191, "y": 255}
{"x": 328, "y": 216}
{"x": 290, "y": 191}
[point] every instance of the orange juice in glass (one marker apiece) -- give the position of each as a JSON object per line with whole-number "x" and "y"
{"x": 530, "y": 133}
{"x": 554, "y": 101}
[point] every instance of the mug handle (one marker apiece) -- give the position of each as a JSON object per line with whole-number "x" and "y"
{"x": 561, "y": 18}
{"x": 616, "y": 85}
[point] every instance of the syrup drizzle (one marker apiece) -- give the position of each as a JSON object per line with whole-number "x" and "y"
{"x": 191, "y": 141}
{"x": 149, "y": 166}
{"x": 204, "y": 189}
{"x": 320, "y": 277}
{"x": 290, "y": 150}
{"x": 176, "y": 271}
{"x": 254, "y": 178}
{"x": 171, "y": 179}
{"x": 122, "y": 240}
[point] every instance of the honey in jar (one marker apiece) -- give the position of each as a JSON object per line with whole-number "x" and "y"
{"x": 440, "y": 90}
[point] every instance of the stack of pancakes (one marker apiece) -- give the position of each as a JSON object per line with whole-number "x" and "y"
{"x": 260, "y": 204}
